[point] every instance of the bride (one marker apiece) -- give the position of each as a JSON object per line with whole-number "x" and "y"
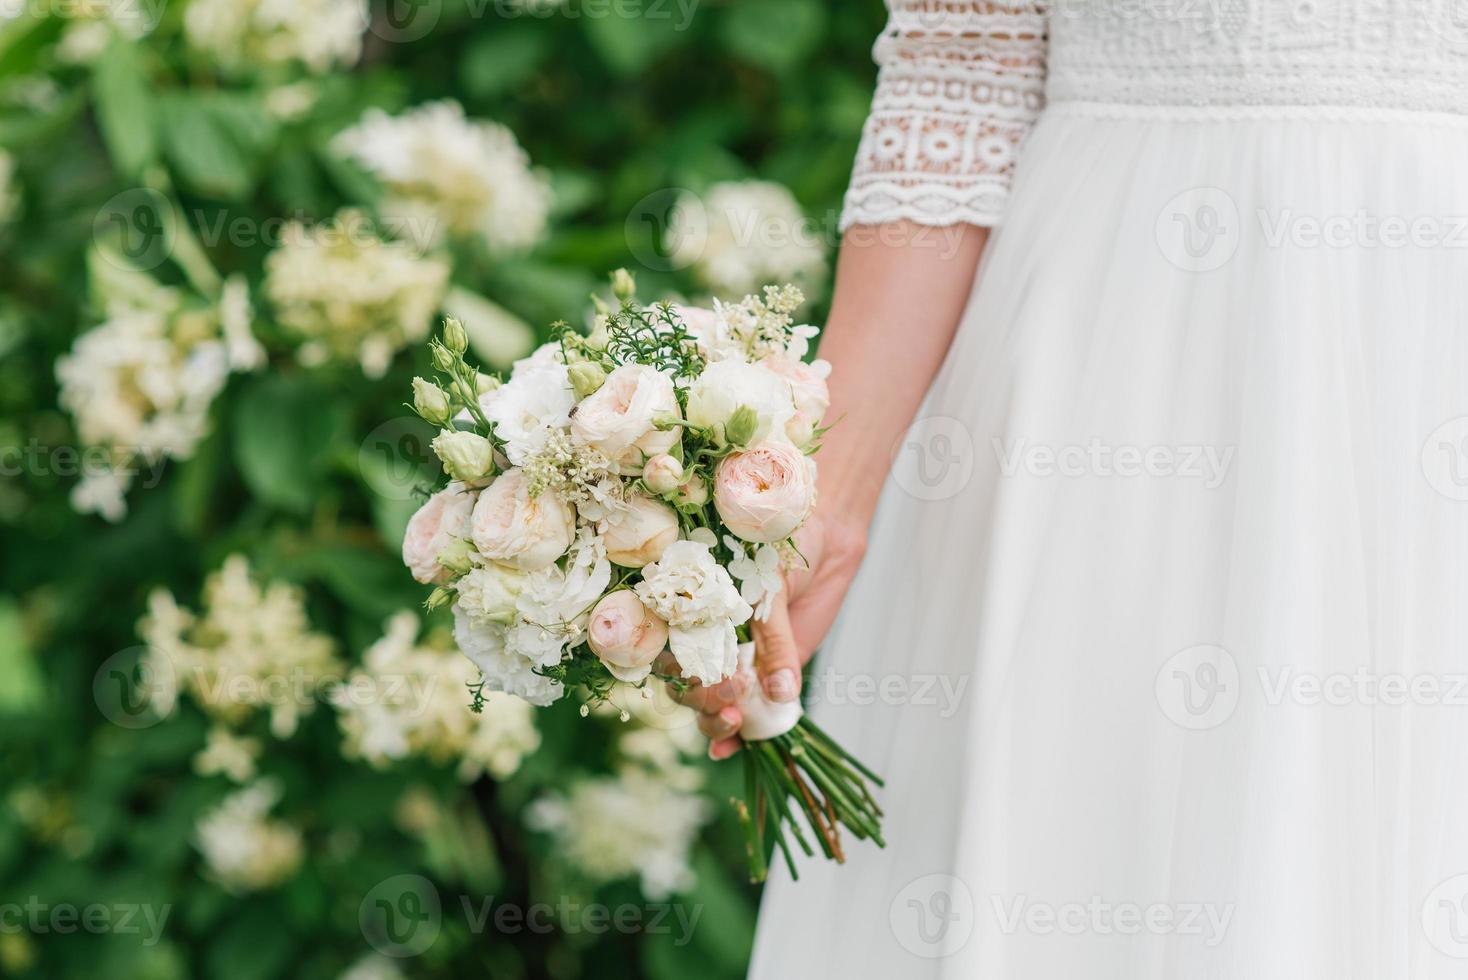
{"x": 1151, "y": 334}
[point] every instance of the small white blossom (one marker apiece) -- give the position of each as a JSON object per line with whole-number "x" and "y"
{"x": 245, "y": 849}
{"x": 759, "y": 575}
{"x": 228, "y": 754}
{"x": 743, "y": 234}
{"x": 257, "y": 34}
{"x": 529, "y": 408}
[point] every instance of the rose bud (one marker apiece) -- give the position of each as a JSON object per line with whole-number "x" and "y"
{"x": 663, "y": 474}
{"x": 764, "y": 493}
{"x": 639, "y": 533}
{"x": 624, "y": 634}
{"x": 693, "y": 492}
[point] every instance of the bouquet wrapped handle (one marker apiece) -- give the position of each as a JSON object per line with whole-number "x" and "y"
{"x": 763, "y": 719}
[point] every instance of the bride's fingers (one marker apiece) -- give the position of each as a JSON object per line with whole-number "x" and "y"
{"x": 710, "y": 700}
{"x": 777, "y": 659}
{"x": 723, "y": 748}
{"x": 721, "y": 725}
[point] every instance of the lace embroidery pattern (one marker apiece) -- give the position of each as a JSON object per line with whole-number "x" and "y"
{"x": 960, "y": 85}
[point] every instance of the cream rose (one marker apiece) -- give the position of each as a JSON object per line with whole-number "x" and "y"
{"x": 433, "y": 528}
{"x": 725, "y": 386}
{"x": 625, "y": 635}
{"x": 764, "y": 493}
{"x": 640, "y": 532}
{"x": 619, "y": 418}
{"x": 524, "y": 532}
{"x": 807, "y": 390}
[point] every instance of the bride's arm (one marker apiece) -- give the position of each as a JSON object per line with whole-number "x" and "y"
{"x": 960, "y": 87}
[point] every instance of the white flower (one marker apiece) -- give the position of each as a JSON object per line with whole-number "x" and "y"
{"x": 229, "y": 754}
{"x": 725, "y": 386}
{"x": 743, "y": 234}
{"x": 373, "y": 967}
{"x": 433, "y": 529}
{"x": 528, "y": 408}
{"x": 252, "y": 650}
{"x": 501, "y": 668}
{"x": 244, "y": 849}
{"x": 694, "y": 594}
{"x": 639, "y": 532}
{"x": 239, "y": 34}
{"x": 759, "y": 575}
{"x": 445, "y": 172}
{"x": 350, "y": 295}
{"x": 489, "y": 594}
{"x": 409, "y": 699}
{"x": 509, "y": 525}
{"x": 619, "y": 418}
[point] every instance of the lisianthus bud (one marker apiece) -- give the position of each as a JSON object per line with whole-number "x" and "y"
{"x": 485, "y": 383}
{"x": 662, "y": 474}
{"x": 431, "y": 402}
{"x": 456, "y": 557}
{"x": 443, "y": 358}
{"x": 586, "y": 377}
{"x": 694, "y": 492}
{"x": 624, "y": 634}
{"x": 741, "y": 426}
{"x": 624, "y": 287}
{"x": 465, "y": 455}
{"x": 454, "y": 337}
{"x": 597, "y": 339}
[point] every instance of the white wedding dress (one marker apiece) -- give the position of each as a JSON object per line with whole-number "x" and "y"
{"x": 1162, "y": 636}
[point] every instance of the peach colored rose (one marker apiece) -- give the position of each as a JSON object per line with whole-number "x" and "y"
{"x": 809, "y": 392}
{"x": 625, "y": 635}
{"x": 524, "y": 532}
{"x": 639, "y": 533}
{"x": 663, "y": 474}
{"x": 619, "y": 418}
{"x": 764, "y": 493}
{"x": 433, "y": 528}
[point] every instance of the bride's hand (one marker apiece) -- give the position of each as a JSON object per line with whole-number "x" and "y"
{"x": 800, "y": 617}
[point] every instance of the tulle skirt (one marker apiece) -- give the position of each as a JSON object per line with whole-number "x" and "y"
{"x": 1162, "y": 637}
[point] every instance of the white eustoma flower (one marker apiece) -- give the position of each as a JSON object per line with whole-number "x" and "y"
{"x": 245, "y": 849}
{"x": 257, "y": 34}
{"x": 534, "y": 403}
{"x": 695, "y": 595}
{"x": 743, "y": 234}
{"x": 503, "y": 669}
{"x": 448, "y": 174}
{"x": 726, "y": 386}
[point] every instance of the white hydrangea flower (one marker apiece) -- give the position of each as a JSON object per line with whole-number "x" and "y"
{"x": 255, "y": 34}
{"x": 244, "y": 849}
{"x": 448, "y": 174}
{"x": 140, "y": 384}
{"x": 640, "y": 821}
{"x": 350, "y": 295}
{"x": 689, "y": 589}
{"x": 743, "y": 234}
{"x": 410, "y": 699}
{"x": 252, "y": 649}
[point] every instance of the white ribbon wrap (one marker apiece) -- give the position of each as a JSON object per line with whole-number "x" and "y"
{"x": 763, "y": 718}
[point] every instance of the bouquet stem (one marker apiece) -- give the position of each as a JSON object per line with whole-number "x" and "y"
{"x": 804, "y": 771}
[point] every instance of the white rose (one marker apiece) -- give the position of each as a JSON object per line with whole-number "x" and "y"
{"x": 764, "y": 493}
{"x": 725, "y": 386}
{"x": 525, "y": 410}
{"x": 524, "y": 532}
{"x": 638, "y": 533}
{"x": 433, "y": 529}
{"x": 488, "y": 593}
{"x": 619, "y": 418}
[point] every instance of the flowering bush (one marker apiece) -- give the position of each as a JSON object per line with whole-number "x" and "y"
{"x": 227, "y": 226}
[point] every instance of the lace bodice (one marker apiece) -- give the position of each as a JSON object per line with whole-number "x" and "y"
{"x": 961, "y": 82}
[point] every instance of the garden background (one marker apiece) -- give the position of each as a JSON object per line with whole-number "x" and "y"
{"x": 213, "y": 488}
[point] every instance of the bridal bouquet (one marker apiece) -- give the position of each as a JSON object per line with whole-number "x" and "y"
{"x": 603, "y": 502}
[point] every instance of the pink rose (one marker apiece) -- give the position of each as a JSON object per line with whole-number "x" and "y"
{"x": 764, "y": 493}
{"x": 433, "y": 528}
{"x": 524, "y": 532}
{"x": 663, "y": 474}
{"x": 625, "y": 635}
{"x": 807, "y": 389}
{"x": 619, "y": 418}
{"x": 639, "y": 533}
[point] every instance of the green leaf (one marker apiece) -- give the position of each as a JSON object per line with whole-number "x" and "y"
{"x": 125, "y": 109}
{"x": 775, "y": 34}
{"x": 283, "y": 428}
{"x": 629, "y": 44}
{"x": 495, "y": 63}
{"x": 217, "y": 141}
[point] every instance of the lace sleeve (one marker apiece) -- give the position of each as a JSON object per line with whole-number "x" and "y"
{"x": 960, "y": 84}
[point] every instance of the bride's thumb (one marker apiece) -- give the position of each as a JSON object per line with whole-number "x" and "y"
{"x": 777, "y": 659}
